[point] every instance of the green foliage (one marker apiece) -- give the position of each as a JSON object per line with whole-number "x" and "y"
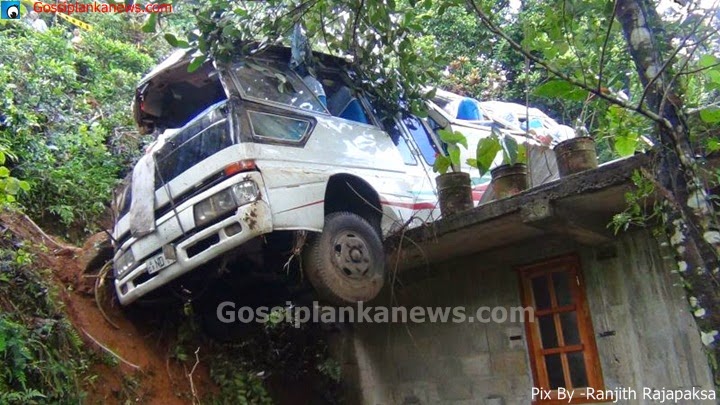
{"x": 709, "y": 111}
{"x": 173, "y": 41}
{"x": 41, "y": 353}
{"x": 247, "y": 368}
{"x": 623, "y": 130}
{"x": 126, "y": 28}
{"x": 237, "y": 386}
{"x": 561, "y": 89}
{"x": 485, "y": 154}
{"x": 187, "y": 332}
{"x": 10, "y": 187}
{"x": 709, "y": 66}
{"x": 482, "y": 65}
{"x": 638, "y": 212}
{"x": 476, "y": 63}
{"x": 376, "y": 36}
{"x": 280, "y": 350}
{"x": 330, "y": 368}
{"x": 489, "y": 147}
{"x": 710, "y": 114}
{"x": 702, "y": 97}
{"x": 453, "y": 140}
{"x": 574, "y": 37}
{"x": 65, "y": 107}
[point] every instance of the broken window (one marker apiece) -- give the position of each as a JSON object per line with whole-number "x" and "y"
{"x": 174, "y": 97}
{"x": 274, "y": 83}
{"x": 342, "y": 101}
{"x": 208, "y": 134}
{"x": 278, "y": 127}
{"x": 561, "y": 340}
{"x": 401, "y": 144}
{"x": 423, "y": 138}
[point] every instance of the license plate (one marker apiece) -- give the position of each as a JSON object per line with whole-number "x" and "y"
{"x": 157, "y": 263}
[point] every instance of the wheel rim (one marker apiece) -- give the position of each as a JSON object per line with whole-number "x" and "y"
{"x": 351, "y": 256}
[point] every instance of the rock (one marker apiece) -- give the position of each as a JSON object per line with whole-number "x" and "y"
{"x": 96, "y": 251}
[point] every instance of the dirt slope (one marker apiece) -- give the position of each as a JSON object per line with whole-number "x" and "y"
{"x": 146, "y": 374}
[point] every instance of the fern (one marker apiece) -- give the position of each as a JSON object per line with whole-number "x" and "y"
{"x": 41, "y": 353}
{"x": 29, "y": 396}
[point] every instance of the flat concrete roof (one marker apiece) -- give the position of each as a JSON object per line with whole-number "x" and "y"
{"x": 579, "y": 206}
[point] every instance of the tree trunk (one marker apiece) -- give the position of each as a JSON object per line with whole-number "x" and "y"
{"x": 688, "y": 214}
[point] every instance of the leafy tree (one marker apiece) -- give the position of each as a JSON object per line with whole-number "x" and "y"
{"x": 689, "y": 213}
{"x": 478, "y": 64}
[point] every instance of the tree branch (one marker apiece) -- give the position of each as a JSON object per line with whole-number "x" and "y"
{"x": 671, "y": 85}
{"x": 668, "y": 62}
{"x": 355, "y": 26}
{"x": 517, "y": 47}
{"x": 698, "y": 70}
{"x": 571, "y": 41}
{"x": 605, "y": 44}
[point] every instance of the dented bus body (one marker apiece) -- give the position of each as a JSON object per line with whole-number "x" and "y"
{"x": 251, "y": 148}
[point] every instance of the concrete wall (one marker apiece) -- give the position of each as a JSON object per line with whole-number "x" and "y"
{"x": 636, "y": 296}
{"x": 634, "y": 300}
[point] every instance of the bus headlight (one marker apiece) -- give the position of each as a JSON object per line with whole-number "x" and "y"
{"x": 224, "y": 202}
{"x": 124, "y": 264}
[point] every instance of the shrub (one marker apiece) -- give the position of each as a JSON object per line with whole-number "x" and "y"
{"x": 65, "y": 113}
{"x": 42, "y": 356}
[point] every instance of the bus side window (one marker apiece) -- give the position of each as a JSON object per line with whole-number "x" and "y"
{"x": 402, "y": 145}
{"x": 423, "y": 139}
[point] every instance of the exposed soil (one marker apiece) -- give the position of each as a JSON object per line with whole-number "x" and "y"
{"x": 142, "y": 370}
